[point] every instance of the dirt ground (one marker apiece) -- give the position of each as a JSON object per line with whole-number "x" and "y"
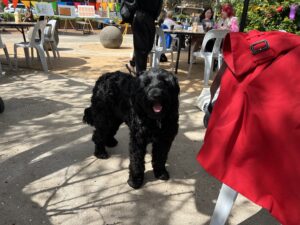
{"x": 48, "y": 174}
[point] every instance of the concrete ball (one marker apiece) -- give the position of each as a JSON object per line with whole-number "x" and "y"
{"x": 111, "y": 37}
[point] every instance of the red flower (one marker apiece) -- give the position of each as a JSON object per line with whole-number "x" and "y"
{"x": 279, "y": 9}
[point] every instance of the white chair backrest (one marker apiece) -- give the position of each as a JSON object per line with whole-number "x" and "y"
{"x": 218, "y": 36}
{"x": 50, "y": 30}
{"x": 38, "y": 31}
{"x": 161, "y": 39}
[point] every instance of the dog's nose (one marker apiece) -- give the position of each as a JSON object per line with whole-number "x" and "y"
{"x": 155, "y": 93}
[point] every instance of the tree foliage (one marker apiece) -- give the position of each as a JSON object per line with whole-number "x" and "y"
{"x": 172, "y": 3}
{"x": 265, "y": 15}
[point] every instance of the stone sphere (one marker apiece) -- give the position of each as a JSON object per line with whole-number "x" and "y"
{"x": 111, "y": 37}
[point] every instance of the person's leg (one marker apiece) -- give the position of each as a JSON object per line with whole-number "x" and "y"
{"x": 143, "y": 39}
{"x": 132, "y": 61}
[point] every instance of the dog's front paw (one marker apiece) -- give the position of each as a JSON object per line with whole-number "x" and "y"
{"x": 136, "y": 183}
{"x": 101, "y": 155}
{"x": 162, "y": 174}
{"x": 111, "y": 143}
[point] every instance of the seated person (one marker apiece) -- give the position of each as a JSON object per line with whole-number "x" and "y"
{"x": 28, "y": 15}
{"x": 228, "y": 21}
{"x": 169, "y": 22}
{"x": 206, "y": 19}
{"x": 161, "y": 19}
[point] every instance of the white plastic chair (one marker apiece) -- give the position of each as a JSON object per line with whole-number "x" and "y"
{"x": 34, "y": 43}
{"x": 50, "y": 37}
{"x": 160, "y": 48}
{"x": 218, "y": 36}
{"x": 3, "y": 46}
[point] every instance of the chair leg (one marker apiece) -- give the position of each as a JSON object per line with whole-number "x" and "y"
{"x": 150, "y": 59}
{"x": 26, "y": 51}
{"x": 191, "y": 60}
{"x": 153, "y": 60}
{"x": 156, "y": 59}
{"x": 190, "y": 69}
{"x": 55, "y": 50}
{"x": 16, "y": 56}
{"x": 7, "y": 57}
{"x": 47, "y": 53}
{"x": 172, "y": 63}
{"x": 37, "y": 54}
{"x": 48, "y": 57}
{"x": 220, "y": 61}
{"x": 192, "y": 52}
{"x": 207, "y": 69}
{"x": 0, "y": 69}
{"x": 43, "y": 58}
{"x": 52, "y": 49}
{"x": 224, "y": 205}
{"x": 32, "y": 54}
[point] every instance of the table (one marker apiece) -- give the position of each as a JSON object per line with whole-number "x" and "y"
{"x": 20, "y": 26}
{"x": 182, "y": 33}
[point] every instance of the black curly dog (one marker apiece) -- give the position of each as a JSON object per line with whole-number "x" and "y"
{"x": 148, "y": 105}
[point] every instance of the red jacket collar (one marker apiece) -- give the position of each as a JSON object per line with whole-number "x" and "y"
{"x": 241, "y": 59}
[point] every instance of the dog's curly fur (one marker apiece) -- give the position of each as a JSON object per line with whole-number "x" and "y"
{"x": 148, "y": 105}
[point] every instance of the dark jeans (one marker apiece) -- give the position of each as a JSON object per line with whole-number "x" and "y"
{"x": 143, "y": 28}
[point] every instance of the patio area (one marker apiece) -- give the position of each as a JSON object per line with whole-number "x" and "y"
{"x": 47, "y": 169}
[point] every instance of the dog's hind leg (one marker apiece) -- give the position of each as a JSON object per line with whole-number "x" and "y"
{"x": 110, "y": 140}
{"x": 137, "y": 153}
{"x": 160, "y": 152}
{"x": 99, "y": 140}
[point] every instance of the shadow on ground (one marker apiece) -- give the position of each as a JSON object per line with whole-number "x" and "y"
{"x": 49, "y": 176}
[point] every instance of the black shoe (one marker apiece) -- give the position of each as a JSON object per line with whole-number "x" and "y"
{"x": 163, "y": 58}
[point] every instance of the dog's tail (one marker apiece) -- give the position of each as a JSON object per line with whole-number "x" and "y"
{"x": 88, "y": 116}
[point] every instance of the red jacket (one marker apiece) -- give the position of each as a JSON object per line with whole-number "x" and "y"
{"x": 252, "y": 143}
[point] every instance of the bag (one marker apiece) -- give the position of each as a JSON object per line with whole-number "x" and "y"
{"x": 127, "y": 10}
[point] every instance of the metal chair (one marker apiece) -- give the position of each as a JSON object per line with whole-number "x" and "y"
{"x": 38, "y": 30}
{"x": 218, "y": 37}
{"x": 3, "y": 46}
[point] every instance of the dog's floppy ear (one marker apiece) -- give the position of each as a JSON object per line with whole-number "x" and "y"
{"x": 135, "y": 88}
{"x": 173, "y": 81}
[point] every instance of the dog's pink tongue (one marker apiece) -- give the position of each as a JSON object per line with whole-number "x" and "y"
{"x": 157, "y": 108}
